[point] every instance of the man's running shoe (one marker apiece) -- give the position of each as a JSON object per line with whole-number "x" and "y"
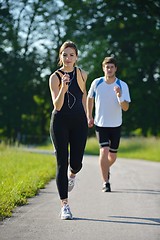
{"x": 66, "y": 213}
{"x": 71, "y": 183}
{"x": 106, "y": 187}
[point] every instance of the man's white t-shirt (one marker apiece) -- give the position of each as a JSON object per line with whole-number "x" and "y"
{"x": 108, "y": 112}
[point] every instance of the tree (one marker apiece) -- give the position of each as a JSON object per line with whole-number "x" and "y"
{"x": 130, "y": 31}
{"x": 26, "y": 59}
{"x": 31, "y": 34}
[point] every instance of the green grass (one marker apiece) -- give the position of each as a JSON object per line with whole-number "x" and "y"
{"x": 22, "y": 174}
{"x": 140, "y": 148}
{"x": 135, "y": 148}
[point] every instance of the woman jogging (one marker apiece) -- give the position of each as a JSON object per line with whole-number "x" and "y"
{"x": 68, "y": 126}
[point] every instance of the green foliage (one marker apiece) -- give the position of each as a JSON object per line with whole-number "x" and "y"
{"x": 21, "y": 176}
{"x": 25, "y": 65}
{"x": 128, "y": 30}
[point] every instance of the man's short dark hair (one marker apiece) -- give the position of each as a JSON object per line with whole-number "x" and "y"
{"x": 109, "y": 60}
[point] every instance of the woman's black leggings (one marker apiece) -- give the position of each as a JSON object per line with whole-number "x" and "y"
{"x": 68, "y": 130}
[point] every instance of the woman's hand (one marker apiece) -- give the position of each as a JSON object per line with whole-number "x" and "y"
{"x": 65, "y": 81}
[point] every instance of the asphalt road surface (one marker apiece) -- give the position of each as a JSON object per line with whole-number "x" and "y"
{"x": 130, "y": 212}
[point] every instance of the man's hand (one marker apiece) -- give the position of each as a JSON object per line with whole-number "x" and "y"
{"x": 90, "y": 122}
{"x": 117, "y": 91}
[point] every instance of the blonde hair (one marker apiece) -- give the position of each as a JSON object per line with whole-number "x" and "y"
{"x": 64, "y": 46}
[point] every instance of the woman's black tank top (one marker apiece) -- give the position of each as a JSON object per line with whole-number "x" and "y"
{"x": 73, "y": 97}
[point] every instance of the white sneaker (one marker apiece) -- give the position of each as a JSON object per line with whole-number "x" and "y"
{"x": 66, "y": 213}
{"x": 71, "y": 183}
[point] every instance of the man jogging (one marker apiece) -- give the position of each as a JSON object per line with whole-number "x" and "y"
{"x": 110, "y": 96}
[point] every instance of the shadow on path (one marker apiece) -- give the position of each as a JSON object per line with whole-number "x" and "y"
{"x": 154, "y": 221}
{"x": 138, "y": 191}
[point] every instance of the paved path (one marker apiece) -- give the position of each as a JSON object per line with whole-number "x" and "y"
{"x": 130, "y": 212}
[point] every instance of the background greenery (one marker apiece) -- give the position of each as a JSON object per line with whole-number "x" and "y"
{"x": 31, "y": 34}
{"x": 144, "y": 148}
{"x": 132, "y": 148}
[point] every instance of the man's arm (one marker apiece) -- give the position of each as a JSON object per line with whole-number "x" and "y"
{"x": 124, "y": 104}
{"x": 90, "y": 105}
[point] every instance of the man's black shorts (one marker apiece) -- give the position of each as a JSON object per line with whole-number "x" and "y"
{"x": 109, "y": 137}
